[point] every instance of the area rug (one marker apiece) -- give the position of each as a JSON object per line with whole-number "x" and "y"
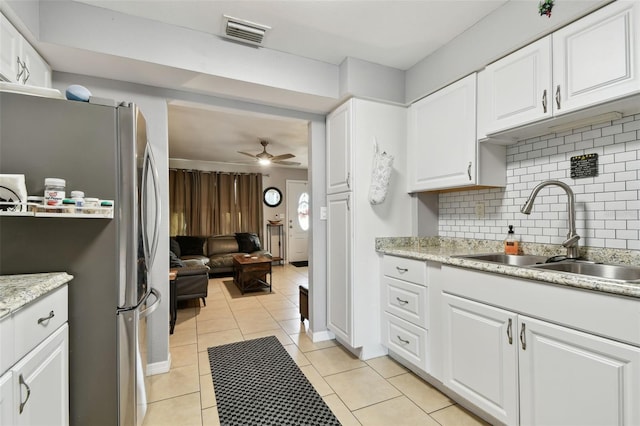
{"x": 257, "y": 383}
{"x": 300, "y": 264}
{"x": 234, "y": 291}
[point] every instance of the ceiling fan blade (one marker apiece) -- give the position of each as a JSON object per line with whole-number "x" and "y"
{"x": 282, "y": 157}
{"x": 246, "y": 153}
{"x": 288, "y": 163}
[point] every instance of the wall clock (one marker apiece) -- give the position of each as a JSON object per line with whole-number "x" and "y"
{"x": 272, "y": 196}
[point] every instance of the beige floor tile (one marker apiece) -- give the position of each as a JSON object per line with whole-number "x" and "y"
{"x": 285, "y": 314}
{"x": 281, "y": 303}
{"x": 218, "y": 338}
{"x": 342, "y": 413}
{"x": 218, "y": 324}
{"x": 248, "y": 327}
{"x": 184, "y": 355}
{"x": 361, "y": 387}
{"x": 455, "y": 415}
{"x": 183, "y": 337}
{"x": 333, "y": 360}
{"x": 305, "y": 343}
{"x": 386, "y": 367}
{"x": 280, "y": 335}
{"x": 178, "y": 381}
{"x": 422, "y": 393}
{"x": 321, "y": 386}
{"x": 210, "y": 417}
{"x": 184, "y": 410}
{"x": 297, "y": 355}
{"x": 207, "y": 392}
{"x": 244, "y": 303}
{"x": 293, "y": 326}
{"x": 203, "y": 363}
{"x": 397, "y": 412}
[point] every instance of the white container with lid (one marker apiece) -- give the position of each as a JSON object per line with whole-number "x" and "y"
{"x": 78, "y": 197}
{"x": 54, "y": 191}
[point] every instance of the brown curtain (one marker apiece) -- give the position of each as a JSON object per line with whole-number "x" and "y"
{"x": 214, "y": 203}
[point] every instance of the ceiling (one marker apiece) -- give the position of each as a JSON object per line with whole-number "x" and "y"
{"x": 394, "y": 33}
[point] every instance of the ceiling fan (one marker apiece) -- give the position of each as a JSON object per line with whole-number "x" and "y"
{"x": 265, "y": 158}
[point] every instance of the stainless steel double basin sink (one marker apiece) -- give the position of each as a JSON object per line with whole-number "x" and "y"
{"x": 623, "y": 273}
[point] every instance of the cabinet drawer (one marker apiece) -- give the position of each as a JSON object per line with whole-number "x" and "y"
{"x": 406, "y": 340}
{"x": 405, "y": 269}
{"x": 406, "y": 300}
{"x": 39, "y": 319}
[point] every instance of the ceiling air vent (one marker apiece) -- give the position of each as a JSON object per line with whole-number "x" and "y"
{"x": 244, "y": 31}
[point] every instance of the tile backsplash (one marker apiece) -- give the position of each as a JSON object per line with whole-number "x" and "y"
{"x": 607, "y": 206}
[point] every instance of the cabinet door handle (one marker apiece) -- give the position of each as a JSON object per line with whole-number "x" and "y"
{"x": 27, "y": 74}
{"x": 469, "y": 170}
{"x": 523, "y": 338}
{"x": 509, "y": 334}
{"x": 349, "y": 180}
{"x": 544, "y": 101}
{"x": 402, "y": 302}
{"x": 402, "y": 270}
{"x": 47, "y": 318}
{"x": 558, "y": 96}
{"x": 23, "y": 403}
{"x": 402, "y": 340}
{"x": 348, "y": 202}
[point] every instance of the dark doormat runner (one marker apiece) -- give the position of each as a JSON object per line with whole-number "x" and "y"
{"x": 300, "y": 263}
{"x": 257, "y": 383}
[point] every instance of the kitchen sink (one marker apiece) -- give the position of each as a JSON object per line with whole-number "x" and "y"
{"x": 506, "y": 259}
{"x": 601, "y": 270}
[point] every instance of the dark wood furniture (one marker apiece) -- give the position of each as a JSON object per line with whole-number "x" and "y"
{"x": 173, "y": 303}
{"x": 250, "y": 272}
{"x": 304, "y": 303}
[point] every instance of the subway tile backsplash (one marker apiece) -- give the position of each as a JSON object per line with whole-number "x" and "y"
{"x": 607, "y": 206}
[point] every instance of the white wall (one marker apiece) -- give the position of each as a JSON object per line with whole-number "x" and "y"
{"x": 607, "y": 206}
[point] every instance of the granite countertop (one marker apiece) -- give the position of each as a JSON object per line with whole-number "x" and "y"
{"x": 443, "y": 250}
{"x": 19, "y": 290}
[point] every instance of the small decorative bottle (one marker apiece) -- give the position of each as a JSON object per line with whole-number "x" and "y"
{"x": 510, "y": 243}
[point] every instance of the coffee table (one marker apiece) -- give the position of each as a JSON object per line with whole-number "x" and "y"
{"x": 250, "y": 272}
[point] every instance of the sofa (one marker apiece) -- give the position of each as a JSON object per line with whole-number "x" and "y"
{"x": 217, "y": 251}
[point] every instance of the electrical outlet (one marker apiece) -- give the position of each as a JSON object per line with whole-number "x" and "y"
{"x": 480, "y": 210}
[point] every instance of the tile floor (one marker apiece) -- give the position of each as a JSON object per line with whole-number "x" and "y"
{"x": 376, "y": 392}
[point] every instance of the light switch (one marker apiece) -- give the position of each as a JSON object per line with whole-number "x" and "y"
{"x": 323, "y": 213}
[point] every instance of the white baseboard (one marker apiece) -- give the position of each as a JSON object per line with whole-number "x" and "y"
{"x": 159, "y": 367}
{"x": 320, "y": 336}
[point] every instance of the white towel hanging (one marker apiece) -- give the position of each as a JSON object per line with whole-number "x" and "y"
{"x": 380, "y": 175}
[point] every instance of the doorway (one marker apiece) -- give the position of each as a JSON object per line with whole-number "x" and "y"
{"x": 298, "y": 220}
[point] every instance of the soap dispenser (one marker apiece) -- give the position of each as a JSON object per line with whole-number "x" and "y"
{"x": 510, "y": 243}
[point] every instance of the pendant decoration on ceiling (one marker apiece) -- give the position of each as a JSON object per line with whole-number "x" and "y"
{"x": 544, "y": 7}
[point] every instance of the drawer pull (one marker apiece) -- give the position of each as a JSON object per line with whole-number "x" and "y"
{"x": 402, "y": 270}
{"x": 402, "y": 340}
{"x": 22, "y": 382}
{"x": 509, "y": 335}
{"x": 43, "y": 319}
{"x": 403, "y": 302}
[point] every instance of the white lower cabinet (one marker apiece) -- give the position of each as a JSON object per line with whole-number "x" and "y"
{"x": 522, "y": 370}
{"x": 405, "y": 301}
{"x": 41, "y": 383}
{"x": 6, "y": 399}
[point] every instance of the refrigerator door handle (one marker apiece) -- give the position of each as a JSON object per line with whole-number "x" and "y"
{"x": 149, "y": 167}
{"x": 142, "y": 300}
{"x": 149, "y": 310}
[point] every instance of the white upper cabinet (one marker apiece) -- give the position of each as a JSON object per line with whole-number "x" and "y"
{"x": 519, "y": 87}
{"x": 339, "y": 150}
{"x": 597, "y": 58}
{"x": 578, "y": 69}
{"x": 19, "y": 61}
{"x": 442, "y": 138}
{"x": 442, "y": 148}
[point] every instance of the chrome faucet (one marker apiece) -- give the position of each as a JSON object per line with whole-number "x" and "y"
{"x": 571, "y": 242}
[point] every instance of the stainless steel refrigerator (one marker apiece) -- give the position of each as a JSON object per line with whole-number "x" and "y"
{"x": 101, "y": 149}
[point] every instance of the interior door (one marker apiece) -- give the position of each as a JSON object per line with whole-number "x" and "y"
{"x": 298, "y": 220}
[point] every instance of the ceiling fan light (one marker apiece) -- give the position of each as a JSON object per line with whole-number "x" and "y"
{"x": 264, "y": 161}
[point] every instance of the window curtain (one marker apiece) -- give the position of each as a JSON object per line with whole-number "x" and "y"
{"x": 214, "y": 203}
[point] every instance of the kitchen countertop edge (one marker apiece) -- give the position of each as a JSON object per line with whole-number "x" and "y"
{"x": 17, "y": 291}
{"x": 446, "y": 255}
